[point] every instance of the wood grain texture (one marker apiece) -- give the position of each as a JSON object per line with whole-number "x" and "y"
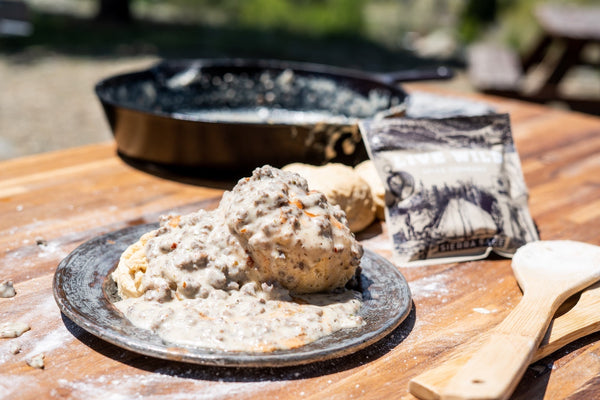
{"x": 51, "y": 203}
{"x": 548, "y": 278}
{"x": 495, "y": 368}
{"x": 580, "y": 319}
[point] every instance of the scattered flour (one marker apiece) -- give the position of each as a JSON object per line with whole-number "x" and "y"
{"x": 7, "y": 289}
{"x": 36, "y": 342}
{"x": 8, "y": 349}
{"x": 36, "y": 361}
{"x": 13, "y": 329}
{"x": 117, "y": 387}
{"x": 482, "y": 310}
{"x": 14, "y": 348}
{"x": 430, "y": 286}
{"x": 23, "y": 251}
{"x": 52, "y": 249}
{"x": 11, "y": 385}
{"x": 52, "y": 340}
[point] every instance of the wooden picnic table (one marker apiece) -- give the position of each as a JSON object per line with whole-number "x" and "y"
{"x": 566, "y": 32}
{"x": 51, "y": 203}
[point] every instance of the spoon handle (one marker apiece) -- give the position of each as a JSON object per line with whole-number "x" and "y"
{"x": 496, "y": 367}
{"x": 581, "y": 320}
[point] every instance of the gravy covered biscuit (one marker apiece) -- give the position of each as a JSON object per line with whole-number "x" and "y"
{"x": 294, "y": 235}
{"x": 342, "y": 186}
{"x": 266, "y": 270}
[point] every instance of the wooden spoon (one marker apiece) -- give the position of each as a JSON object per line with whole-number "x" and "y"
{"x": 548, "y": 273}
{"x": 579, "y": 321}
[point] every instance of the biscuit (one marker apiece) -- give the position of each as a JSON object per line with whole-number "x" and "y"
{"x": 131, "y": 268}
{"x": 342, "y": 186}
{"x": 368, "y": 172}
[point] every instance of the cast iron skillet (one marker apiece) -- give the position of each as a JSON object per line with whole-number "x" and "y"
{"x": 234, "y": 115}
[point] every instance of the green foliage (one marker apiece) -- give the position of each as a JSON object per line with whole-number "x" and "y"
{"x": 311, "y": 17}
{"x": 510, "y": 22}
{"x": 315, "y": 17}
{"x": 296, "y": 29}
{"x": 476, "y": 14}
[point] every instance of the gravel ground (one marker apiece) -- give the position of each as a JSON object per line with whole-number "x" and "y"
{"x": 47, "y": 102}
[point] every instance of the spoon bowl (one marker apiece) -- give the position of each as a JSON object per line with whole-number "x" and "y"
{"x": 560, "y": 266}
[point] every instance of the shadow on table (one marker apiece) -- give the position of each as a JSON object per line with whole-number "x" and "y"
{"x": 538, "y": 374}
{"x": 245, "y": 374}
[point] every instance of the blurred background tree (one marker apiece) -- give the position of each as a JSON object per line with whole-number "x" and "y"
{"x": 114, "y": 10}
{"x": 475, "y": 15}
{"x": 395, "y": 23}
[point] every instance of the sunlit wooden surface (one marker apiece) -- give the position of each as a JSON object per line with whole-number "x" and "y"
{"x": 51, "y": 203}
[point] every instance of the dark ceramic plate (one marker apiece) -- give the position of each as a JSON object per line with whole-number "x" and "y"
{"x": 84, "y": 292}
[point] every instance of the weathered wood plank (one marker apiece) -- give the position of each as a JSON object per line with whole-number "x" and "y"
{"x": 50, "y": 203}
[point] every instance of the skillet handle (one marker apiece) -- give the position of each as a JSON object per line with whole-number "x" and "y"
{"x": 412, "y": 75}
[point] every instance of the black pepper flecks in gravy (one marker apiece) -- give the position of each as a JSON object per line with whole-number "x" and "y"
{"x": 264, "y": 271}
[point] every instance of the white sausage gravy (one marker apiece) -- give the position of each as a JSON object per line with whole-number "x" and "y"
{"x": 264, "y": 271}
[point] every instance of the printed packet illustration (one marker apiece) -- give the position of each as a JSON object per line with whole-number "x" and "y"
{"x": 454, "y": 187}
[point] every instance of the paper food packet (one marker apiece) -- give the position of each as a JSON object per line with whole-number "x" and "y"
{"x": 454, "y": 187}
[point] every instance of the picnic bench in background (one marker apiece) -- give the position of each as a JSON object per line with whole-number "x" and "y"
{"x": 14, "y": 18}
{"x": 567, "y": 32}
